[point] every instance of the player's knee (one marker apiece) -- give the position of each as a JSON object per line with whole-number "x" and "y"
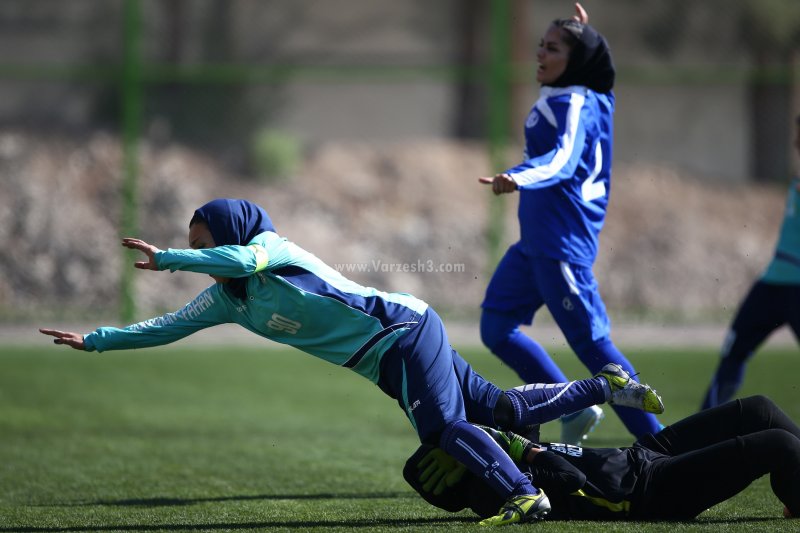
{"x": 432, "y": 438}
{"x": 446, "y": 437}
{"x": 783, "y": 446}
{"x": 491, "y": 339}
{"x": 503, "y": 412}
{"x": 761, "y": 401}
{"x": 495, "y": 329}
{"x": 758, "y": 407}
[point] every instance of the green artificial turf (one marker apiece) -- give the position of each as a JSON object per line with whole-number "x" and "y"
{"x": 231, "y": 439}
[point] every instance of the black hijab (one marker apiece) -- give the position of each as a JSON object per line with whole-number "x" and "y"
{"x": 590, "y": 64}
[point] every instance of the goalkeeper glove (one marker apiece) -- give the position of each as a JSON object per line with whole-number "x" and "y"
{"x": 515, "y": 445}
{"x": 439, "y": 471}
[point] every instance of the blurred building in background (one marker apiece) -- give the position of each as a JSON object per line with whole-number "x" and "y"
{"x": 708, "y": 86}
{"x": 417, "y": 90}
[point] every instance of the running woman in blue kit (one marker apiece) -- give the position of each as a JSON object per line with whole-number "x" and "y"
{"x": 563, "y": 183}
{"x": 773, "y": 301}
{"x": 276, "y": 289}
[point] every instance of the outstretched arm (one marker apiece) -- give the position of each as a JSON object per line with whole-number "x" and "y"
{"x": 227, "y": 261}
{"x": 74, "y": 340}
{"x": 206, "y": 310}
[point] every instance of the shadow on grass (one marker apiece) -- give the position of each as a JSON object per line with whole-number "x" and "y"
{"x": 175, "y": 502}
{"x": 323, "y": 525}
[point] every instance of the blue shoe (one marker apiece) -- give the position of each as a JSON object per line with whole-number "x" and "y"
{"x": 576, "y": 427}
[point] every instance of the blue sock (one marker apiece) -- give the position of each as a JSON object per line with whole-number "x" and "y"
{"x": 539, "y": 403}
{"x": 598, "y": 354}
{"x": 528, "y": 359}
{"x": 483, "y": 457}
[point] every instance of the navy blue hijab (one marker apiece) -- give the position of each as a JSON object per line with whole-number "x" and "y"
{"x": 234, "y": 222}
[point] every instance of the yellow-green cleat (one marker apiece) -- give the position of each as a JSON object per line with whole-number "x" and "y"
{"x": 520, "y": 509}
{"x": 627, "y": 392}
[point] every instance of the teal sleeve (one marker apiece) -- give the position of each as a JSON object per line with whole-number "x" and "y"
{"x": 208, "y": 309}
{"x": 226, "y": 261}
{"x": 784, "y": 269}
{"x": 230, "y": 261}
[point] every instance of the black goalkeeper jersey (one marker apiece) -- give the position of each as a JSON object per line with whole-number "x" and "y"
{"x": 581, "y": 483}
{"x": 614, "y": 479}
{"x": 675, "y": 474}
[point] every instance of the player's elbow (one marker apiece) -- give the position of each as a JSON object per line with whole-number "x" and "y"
{"x": 260, "y": 257}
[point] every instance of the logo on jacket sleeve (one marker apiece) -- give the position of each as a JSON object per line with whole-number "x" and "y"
{"x": 281, "y": 323}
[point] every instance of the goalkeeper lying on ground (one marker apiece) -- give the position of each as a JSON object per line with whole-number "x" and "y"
{"x": 675, "y": 474}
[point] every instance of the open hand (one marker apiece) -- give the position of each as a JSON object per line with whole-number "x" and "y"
{"x": 501, "y": 183}
{"x": 148, "y": 249}
{"x": 75, "y": 340}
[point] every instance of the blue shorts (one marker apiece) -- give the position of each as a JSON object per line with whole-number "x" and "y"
{"x": 433, "y": 384}
{"x": 521, "y": 285}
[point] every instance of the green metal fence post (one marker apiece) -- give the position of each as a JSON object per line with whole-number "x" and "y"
{"x": 131, "y": 93}
{"x": 499, "y": 112}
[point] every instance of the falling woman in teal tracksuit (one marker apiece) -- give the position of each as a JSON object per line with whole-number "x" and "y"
{"x": 277, "y": 290}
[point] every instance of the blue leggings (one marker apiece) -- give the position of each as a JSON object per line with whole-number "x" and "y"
{"x": 500, "y": 333}
{"x": 440, "y": 393}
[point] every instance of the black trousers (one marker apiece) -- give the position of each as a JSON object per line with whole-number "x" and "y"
{"x": 766, "y": 308}
{"x": 713, "y": 455}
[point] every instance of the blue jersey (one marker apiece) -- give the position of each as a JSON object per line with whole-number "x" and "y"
{"x": 565, "y": 178}
{"x": 293, "y": 298}
{"x": 785, "y": 266}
